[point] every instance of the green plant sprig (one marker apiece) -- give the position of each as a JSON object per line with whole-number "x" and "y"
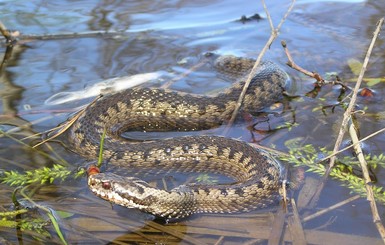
{"x": 42, "y": 175}
{"x": 308, "y": 155}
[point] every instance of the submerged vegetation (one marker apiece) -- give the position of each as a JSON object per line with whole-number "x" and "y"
{"x": 346, "y": 170}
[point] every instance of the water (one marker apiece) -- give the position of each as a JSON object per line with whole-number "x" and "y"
{"x": 173, "y": 36}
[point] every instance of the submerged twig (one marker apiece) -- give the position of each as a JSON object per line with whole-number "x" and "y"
{"x": 333, "y": 207}
{"x": 273, "y": 36}
{"x": 277, "y": 227}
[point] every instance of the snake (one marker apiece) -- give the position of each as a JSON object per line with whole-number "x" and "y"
{"x": 257, "y": 176}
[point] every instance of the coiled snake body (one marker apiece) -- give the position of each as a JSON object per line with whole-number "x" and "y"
{"x": 257, "y": 175}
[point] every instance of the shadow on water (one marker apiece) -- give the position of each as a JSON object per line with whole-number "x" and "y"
{"x": 173, "y": 37}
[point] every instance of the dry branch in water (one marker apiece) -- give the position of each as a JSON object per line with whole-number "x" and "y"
{"x": 352, "y": 131}
{"x": 368, "y": 181}
{"x": 345, "y": 120}
{"x": 352, "y": 102}
{"x": 320, "y": 81}
{"x": 10, "y": 39}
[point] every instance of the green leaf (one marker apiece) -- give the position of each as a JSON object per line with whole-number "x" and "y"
{"x": 355, "y": 66}
{"x": 64, "y": 214}
{"x": 373, "y": 82}
{"x": 8, "y": 223}
{"x": 57, "y": 227}
{"x": 100, "y": 159}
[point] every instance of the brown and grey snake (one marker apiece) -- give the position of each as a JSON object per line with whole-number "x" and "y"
{"x": 257, "y": 175}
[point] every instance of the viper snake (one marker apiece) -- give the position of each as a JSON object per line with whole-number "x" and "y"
{"x": 257, "y": 175}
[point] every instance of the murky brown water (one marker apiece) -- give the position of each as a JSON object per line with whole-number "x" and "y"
{"x": 172, "y": 37}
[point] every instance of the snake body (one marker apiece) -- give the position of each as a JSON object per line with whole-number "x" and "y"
{"x": 256, "y": 173}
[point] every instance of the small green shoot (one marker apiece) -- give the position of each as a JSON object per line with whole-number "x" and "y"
{"x": 100, "y": 159}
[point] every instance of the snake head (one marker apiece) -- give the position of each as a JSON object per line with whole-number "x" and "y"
{"x": 125, "y": 191}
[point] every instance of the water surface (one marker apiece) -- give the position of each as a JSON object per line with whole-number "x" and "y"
{"x": 173, "y": 37}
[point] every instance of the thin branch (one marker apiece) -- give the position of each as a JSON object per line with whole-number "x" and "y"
{"x": 293, "y": 65}
{"x": 295, "y": 226}
{"x": 347, "y": 114}
{"x": 8, "y": 36}
{"x": 58, "y": 130}
{"x": 268, "y": 16}
{"x": 320, "y": 80}
{"x": 368, "y": 181}
{"x": 349, "y": 110}
{"x": 333, "y": 207}
{"x": 352, "y": 145}
{"x": 23, "y": 38}
{"x": 273, "y": 36}
{"x": 10, "y": 41}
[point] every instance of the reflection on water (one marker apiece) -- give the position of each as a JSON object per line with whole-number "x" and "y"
{"x": 173, "y": 37}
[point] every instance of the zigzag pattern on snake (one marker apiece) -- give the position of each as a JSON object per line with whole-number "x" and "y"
{"x": 256, "y": 174}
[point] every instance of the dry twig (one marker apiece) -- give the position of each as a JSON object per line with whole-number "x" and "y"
{"x": 349, "y": 110}
{"x": 315, "y": 75}
{"x": 333, "y": 207}
{"x": 352, "y": 131}
{"x": 368, "y": 181}
{"x": 7, "y": 35}
{"x": 295, "y": 226}
{"x": 352, "y": 145}
{"x": 273, "y": 36}
{"x": 347, "y": 113}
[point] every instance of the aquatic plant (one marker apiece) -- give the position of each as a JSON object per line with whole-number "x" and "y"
{"x": 309, "y": 156}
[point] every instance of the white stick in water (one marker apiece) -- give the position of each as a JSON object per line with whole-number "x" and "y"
{"x": 104, "y": 87}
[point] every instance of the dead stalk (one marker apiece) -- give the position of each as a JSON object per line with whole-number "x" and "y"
{"x": 349, "y": 110}
{"x": 347, "y": 113}
{"x": 368, "y": 181}
{"x": 273, "y": 36}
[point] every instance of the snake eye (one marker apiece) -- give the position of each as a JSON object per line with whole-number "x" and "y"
{"x": 106, "y": 185}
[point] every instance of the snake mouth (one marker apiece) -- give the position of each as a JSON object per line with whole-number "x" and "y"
{"x": 117, "y": 189}
{"x": 98, "y": 187}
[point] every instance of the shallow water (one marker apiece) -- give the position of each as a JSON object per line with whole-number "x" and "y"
{"x": 173, "y": 36}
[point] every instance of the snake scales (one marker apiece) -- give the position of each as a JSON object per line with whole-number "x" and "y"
{"x": 257, "y": 175}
